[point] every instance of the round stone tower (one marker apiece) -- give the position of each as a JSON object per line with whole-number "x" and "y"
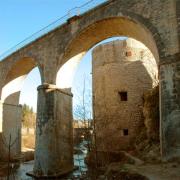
{"x": 122, "y": 72}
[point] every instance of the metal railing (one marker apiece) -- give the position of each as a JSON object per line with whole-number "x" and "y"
{"x": 73, "y": 12}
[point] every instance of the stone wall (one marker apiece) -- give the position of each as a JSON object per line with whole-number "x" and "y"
{"x": 11, "y": 126}
{"x": 122, "y": 72}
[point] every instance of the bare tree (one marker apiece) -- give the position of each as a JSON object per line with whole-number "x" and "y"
{"x": 82, "y": 112}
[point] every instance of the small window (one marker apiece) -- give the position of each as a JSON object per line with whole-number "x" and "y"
{"x": 123, "y": 95}
{"x": 128, "y": 53}
{"x": 125, "y": 132}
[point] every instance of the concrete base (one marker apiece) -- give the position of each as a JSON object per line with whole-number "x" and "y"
{"x": 60, "y": 174}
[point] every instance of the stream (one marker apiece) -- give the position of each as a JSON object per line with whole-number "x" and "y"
{"x": 20, "y": 173}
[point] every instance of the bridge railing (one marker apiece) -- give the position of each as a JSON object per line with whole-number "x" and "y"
{"x": 74, "y": 11}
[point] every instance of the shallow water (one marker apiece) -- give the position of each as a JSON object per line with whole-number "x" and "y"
{"x": 79, "y": 160}
{"x": 20, "y": 173}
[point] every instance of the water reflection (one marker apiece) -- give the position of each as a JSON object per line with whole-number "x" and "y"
{"x": 79, "y": 157}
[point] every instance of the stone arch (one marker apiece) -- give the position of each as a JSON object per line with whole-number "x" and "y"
{"x": 15, "y": 77}
{"x": 144, "y": 32}
{"x": 10, "y": 110}
{"x": 137, "y": 27}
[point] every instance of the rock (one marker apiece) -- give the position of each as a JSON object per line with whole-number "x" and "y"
{"x": 132, "y": 159}
{"x": 28, "y": 156}
{"x": 119, "y": 172}
{"x": 78, "y": 151}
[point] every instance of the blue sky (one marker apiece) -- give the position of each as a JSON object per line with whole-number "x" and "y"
{"x": 20, "y": 19}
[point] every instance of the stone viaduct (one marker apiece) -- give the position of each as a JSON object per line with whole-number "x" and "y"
{"x": 155, "y": 23}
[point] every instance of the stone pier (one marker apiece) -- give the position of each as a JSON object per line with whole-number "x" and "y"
{"x": 11, "y": 117}
{"x": 54, "y": 140}
{"x": 170, "y": 108}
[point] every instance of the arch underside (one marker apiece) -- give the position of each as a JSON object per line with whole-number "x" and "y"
{"x": 99, "y": 31}
{"x": 15, "y": 78}
{"x": 107, "y": 28}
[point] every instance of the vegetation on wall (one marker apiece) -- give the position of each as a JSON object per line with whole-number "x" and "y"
{"x": 148, "y": 141}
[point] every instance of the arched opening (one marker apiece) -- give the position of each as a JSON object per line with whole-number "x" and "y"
{"x": 28, "y": 100}
{"x": 88, "y": 37}
{"x": 13, "y": 94}
{"x": 110, "y": 91}
{"x": 95, "y": 34}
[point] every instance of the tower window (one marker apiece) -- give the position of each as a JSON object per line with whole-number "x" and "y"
{"x": 128, "y": 53}
{"x": 125, "y": 132}
{"x": 123, "y": 95}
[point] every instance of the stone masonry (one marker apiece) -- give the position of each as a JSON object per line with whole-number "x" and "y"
{"x": 12, "y": 116}
{"x": 122, "y": 72}
{"x": 155, "y": 23}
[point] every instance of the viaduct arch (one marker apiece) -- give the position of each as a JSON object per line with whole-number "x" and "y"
{"x": 154, "y": 23}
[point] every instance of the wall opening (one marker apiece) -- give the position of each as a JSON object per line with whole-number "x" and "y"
{"x": 123, "y": 95}
{"x": 125, "y": 132}
{"x": 128, "y": 53}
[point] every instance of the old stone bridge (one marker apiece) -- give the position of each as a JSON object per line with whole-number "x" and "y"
{"x": 155, "y": 23}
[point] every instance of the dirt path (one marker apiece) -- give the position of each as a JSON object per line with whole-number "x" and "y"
{"x": 166, "y": 171}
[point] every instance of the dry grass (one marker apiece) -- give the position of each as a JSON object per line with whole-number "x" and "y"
{"x": 28, "y": 141}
